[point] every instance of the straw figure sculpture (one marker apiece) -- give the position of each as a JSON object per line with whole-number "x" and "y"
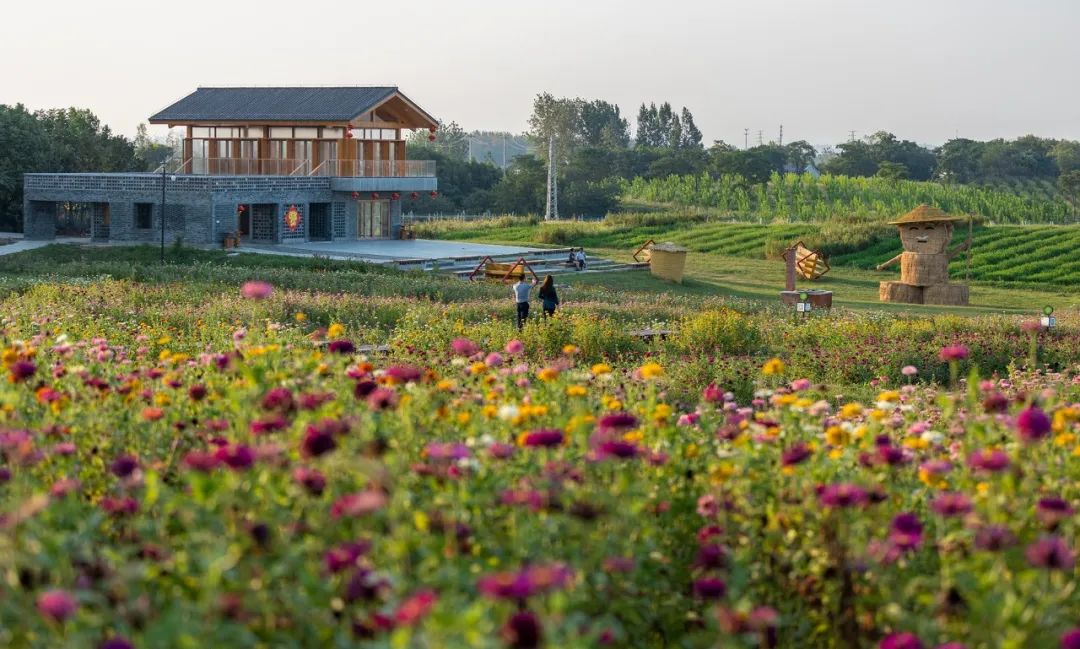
{"x": 925, "y": 233}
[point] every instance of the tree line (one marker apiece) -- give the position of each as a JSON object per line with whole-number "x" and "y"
{"x": 63, "y": 140}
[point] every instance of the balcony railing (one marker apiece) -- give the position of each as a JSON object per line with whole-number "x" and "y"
{"x": 285, "y": 167}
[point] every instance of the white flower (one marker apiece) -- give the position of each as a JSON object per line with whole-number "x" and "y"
{"x": 508, "y": 412}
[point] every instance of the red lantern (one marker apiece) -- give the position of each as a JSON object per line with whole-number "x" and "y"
{"x": 356, "y": 196}
{"x": 375, "y": 195}
{"x": 241, "y": 208}
{"x": 431, "y": 138}
{"x": 434, "y": 194}
{"x": 348, "y": 132}
{"x": 395, "y": 196}
{"x": 414, "y": 196}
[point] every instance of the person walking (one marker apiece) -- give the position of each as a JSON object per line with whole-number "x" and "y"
{"x": 521, "y": 296}
{"x": 548, "y": 296}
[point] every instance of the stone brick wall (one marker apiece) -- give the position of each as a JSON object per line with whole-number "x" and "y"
{"x": 99, "y": 222}
{"x": 39, "y": 220}
{"x": 339, "y": 211}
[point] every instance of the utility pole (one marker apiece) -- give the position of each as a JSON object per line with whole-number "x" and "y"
{"x": 504, "y": 152}
{"x": 746, "y": 138}
{"x": 781, "y": 143}
{"x": 552, "y": 211}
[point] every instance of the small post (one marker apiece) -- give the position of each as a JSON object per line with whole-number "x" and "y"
{"x": 789, "y": 278}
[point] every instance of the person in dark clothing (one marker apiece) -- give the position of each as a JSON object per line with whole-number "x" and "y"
{"x": 548, "y": 296}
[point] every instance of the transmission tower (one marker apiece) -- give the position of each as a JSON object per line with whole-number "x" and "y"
{"x": 852, "y": 136}
{"x": 746, "y": 138}
{"x": 552, "y": 211}
{"x": 781, "y": 142}
{"x": 760, "y": 138}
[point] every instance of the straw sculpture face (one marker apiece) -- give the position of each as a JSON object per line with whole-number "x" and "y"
{"x": 930, "y": 237}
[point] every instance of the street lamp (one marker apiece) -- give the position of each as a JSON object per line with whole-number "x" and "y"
{"x": 163, "y": 165}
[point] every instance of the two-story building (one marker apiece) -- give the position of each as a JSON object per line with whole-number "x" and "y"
{"x": 268, "y": 165}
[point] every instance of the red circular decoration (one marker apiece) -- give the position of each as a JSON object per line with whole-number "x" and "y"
{"x": 434, "y": 194}
{"x": 414, "y": 196}
{"x": 348, "y": 133}
{"x": 375, "y": 195}
{"x": 292, "y": 218}
{"x": 395, "y": 196}
{"x": 356, "y": 196}
{"x": 241, "y": 209}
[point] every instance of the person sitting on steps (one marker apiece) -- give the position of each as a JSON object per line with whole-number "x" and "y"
{"x": 580, "y": 259}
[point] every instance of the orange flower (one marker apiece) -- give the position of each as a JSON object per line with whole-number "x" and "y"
{"x": 151, "y": 413}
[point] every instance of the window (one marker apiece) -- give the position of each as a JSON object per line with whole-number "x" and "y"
{"x": 279, "y": 149}
{"x": 224, "y": 148}
{"x": 249, "y": 149}
{"x": 255, "y": 131}
{"x": 200, "y": 131}
{"x": 144, "y": 216}
{"x": 332, "y": 133}
{"x": 282, "y": 132}
{"x": 309, "y": 132}
{"x": 327, "y": 151}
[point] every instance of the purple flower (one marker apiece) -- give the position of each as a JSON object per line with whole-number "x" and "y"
{"x": 201, "y": 461}
{"x": 279, "y": 400}
{"x": 994, "y": 538}
{"x": 382, "y": 399}
{"x": 796, "y": 454}
{"x": 955, "y": 352}
{"x": 341, "y": 346}
{"x": 22, "y": 370}
{"x": 616, "y": 422}
{"x": 56, "y": 605}
{"x": 256, "y": 290}
{"x": 447, "y": 451}
{"x": 317, "y": 441}
{"x": 464, "y": 347}
{"x": 501, "y": 451}
{"x": 311, "y": 479}
{"x": 547, "y": 437}
{"x": 905, "y": 532}
{"x": 951, "y": 504}
{"x": 842, "y": 495}
{"x": 989, "y": 460}
{"x": 711, "y": 555}
{"x": 403, "y": 373}
{"x": 901, "y": 641}
{"x": 1071, "y": 639}
{"x": 116, "y": 642}
{"x": 344, "y": 556}
{"x": 124, "y": 465}
{"x": 995, "y": 402}
{"x": 1053, "y": 509}
{"x": 618, "y": 449}
{"x": 526, "y": 582}
{"x": 1050, "y": 552}
{"x": 522, "y": 631}
{"x": 1032, "y": 424}
{"x": 236, "y": 456}
{"x": 709, "y": 588}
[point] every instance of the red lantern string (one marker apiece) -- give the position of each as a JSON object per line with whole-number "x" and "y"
{"x": 356, "y": 196}
{"x": 348, "y": 133}
{"x": 375, "y": 195}
{"x": 414, "y": 196}
{"x": 434, "y": 194}
{"x": 395, "y": 196}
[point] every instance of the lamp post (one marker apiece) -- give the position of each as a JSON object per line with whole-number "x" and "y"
{"x": 163, "y": 165}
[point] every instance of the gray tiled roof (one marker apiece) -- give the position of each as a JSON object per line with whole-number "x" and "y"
{"x": 275, "y": 104}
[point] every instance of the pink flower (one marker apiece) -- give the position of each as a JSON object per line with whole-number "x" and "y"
{"x": 1071, "y": 639}
{"x": 901, "y": 641}
{"x": 909, "y": 370}
{"x": 707, "y": 506}
{"x": 494, "y": 359}
{"x": 515, "y": 347}
{"x": 955, "y": 352}
{"x": 798, "y": 385}
{"x": 256, "y": 290}
{"x": 713, "y": 394}
{"x": 57, "y": 605}
{"x": 359, "y": 503}
{"x": 464, "y": 347}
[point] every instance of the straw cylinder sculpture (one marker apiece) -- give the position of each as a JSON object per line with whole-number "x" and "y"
{"x": 667, "y": 261}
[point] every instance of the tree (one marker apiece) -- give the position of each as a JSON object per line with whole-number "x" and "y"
{"x": 521, "y": 190}
{"x": 799, "y": 155}
{"x": 891, "y": 170}
{"x": 1069, "y": 184}
{"x": 151, "y": 154}
{"x": 26, "y": 148}
{"x": 450, "y": 140}
{"x": 602, "y": 125}
{"x": 675, "y": 133}
{"x": 958, "y": 160}
{"x": 558, "y": 117}
{"x": 1066, "y": 154}
{"x": 648, "y": 127}
{"x": 691, "y": 136}
{"x": 81, "y": 144}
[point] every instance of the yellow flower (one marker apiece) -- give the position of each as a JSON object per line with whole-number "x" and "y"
{"x": 836, "y": 436}
{"x": 983, "y": 488}
{"x": 334, "y": 330}
{"x": 1065, "y": 439}
{"x": 611, "y": 403}
{"x": 720, "y": 473}
{"x": 489, "y": 411}
{"x": 600, "y": 369}
{"x": 772, "y": 366}
{"x": 570, "y": 350}
{"x": 463, "y": 417}
{"x": 164, "y": 340}
{"x": 877, "y": 414}
{"x": 890, "y": 396}
{"x": 477, "y": 368}
{"x": 633, "y": 436}
{"x": 662, "y": 411}
{"x": 851, "y": 410}
{"x": 784, "y": 399}
{"x": 691, "y": 450}
{"x": 651, "y": 371}
{"x": 548, "y": 374}
{"x": 916, "y": 443}
{"x": 576, "y": 391}
{"x": 444, "y": 385}
{"x": 10, "y": 356}
{"x": 836, "y": 454}
{"x": 300, "y": 316}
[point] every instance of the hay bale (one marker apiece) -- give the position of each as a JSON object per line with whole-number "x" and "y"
{"x": 924, "y": 269}
{"x": 946, "y": 294}
{"x": 667, "y": 261}
{"x": 900, "y": 292}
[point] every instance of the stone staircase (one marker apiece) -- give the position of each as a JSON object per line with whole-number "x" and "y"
{"x": 543, "y": 262}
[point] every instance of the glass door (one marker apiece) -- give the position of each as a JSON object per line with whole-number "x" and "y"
{"x": 373, "y": 220}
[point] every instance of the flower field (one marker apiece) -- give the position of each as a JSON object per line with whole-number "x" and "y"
{"x": 198, "y": 463}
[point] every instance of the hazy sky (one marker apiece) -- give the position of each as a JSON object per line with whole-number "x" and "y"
{"x": 923, "y": 69}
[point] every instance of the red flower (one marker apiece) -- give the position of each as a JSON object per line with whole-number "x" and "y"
{"x": 201, "y": 461}
{"x": 382, "y": 399}
{"x": 1032, "y": 424}
{"x": 546, "y": 437}
{"x": 358, "y": 504}
{"x": 413, "y": 609}
{"x": 955, "y": 352}
{"x": 311, "y": 479}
